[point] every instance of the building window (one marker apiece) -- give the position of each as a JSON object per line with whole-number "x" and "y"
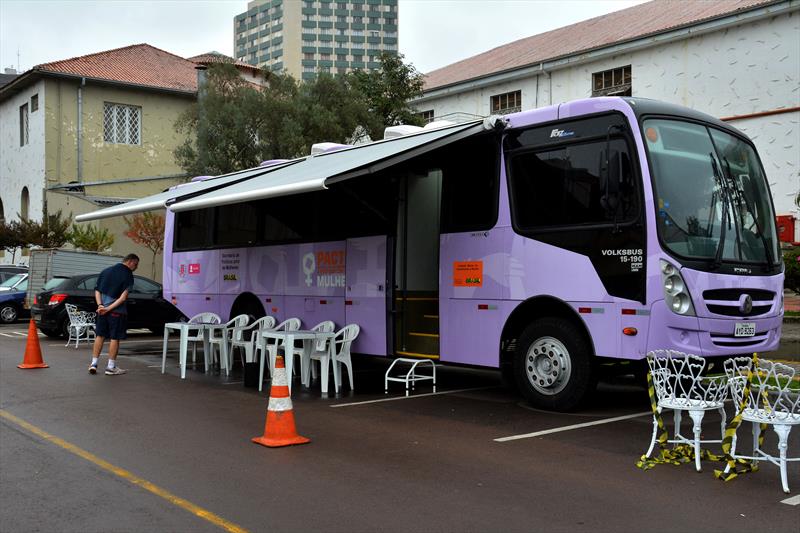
{"x": 122, "y": 124}
{"x": 24, "y": 204}
{"x": 23, "y": 125}
{"x": 34, "y": 103}
{"x": 427, "y": 116}
{"x": 614, "y": 82}
{"x": 507, "y": 103}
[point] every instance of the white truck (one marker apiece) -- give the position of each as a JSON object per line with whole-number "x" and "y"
{"x": 48, "y": 263}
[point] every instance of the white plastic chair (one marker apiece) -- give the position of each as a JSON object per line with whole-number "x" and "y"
{"x": 771, "y": 400}
{"x": 340, "y": 353}
{"x": 81, "y": 325}
{"x": 201, "y": 318}
{"x": 245, "y": 337}
{"x": 320, "y": 345}
{"x": 679, "y": 385}
{"x": 219, "y": 336}
{"x": 271, "y": 348}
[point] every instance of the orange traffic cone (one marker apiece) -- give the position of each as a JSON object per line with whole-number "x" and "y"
{"x": 33, "y": 352}
{"x": 279, "y": 429}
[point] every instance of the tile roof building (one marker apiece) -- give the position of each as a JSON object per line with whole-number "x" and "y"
{"x": 738, "y": 60}
{"x": 82, "y": 131}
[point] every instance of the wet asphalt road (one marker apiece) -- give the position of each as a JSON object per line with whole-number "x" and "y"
{"x": 428, "y": 463}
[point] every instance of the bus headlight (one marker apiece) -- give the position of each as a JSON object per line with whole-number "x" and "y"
{"x": 676, "y": 294}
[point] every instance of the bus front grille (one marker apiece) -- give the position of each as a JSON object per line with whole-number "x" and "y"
{"x": 729, "y": 302}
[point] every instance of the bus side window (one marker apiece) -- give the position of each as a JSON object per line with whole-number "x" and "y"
{"x": 470, "y": 171}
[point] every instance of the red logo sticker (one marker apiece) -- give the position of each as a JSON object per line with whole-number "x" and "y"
{"x": 194, "y": 268}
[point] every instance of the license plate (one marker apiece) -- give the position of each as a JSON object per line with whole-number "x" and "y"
{"x": 745, "y": 329}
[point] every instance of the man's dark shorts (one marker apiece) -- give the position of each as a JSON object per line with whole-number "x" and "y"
{"x": 111, "y": 326}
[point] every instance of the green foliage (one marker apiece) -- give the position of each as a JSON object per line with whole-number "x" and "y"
{"x": 236, "y": 125}
{"x": 10, "y": 236}
{"x": 790, "y": 259}
{"x": 91, "y": 238}
{"x": 388, "y": 90}
{"x": 51, "y": 232}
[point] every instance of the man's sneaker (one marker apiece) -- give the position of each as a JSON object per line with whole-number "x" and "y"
{"x": 116, "y": 371}
{"x": 93, "y": 369}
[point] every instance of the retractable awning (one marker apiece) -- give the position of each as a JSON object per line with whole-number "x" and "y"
{"x": 316, "y": 172}
{"x": 159, "y": 201}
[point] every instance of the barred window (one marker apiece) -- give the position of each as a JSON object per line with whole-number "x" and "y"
{"x": 23, "y": 125}
{"x": 122, "y": 124}
{"x": 34, "y": 103}
{"x": 614, "y": 82}
{"x": 506, "y": 103}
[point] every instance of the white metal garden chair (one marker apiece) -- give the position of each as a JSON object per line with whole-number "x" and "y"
{"x": 81, "y": 325}
{"x": 269, "y": 350}
{"x": 679, "y": 385}
{"x": 222, "y": 336}
{"x": 245, "y": 337}
{"x": 201, "y": 318}
{"x": 771, "y": 398}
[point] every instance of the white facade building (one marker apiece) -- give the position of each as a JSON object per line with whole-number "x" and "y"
{"x": 22, "y": 146}
{"x": 741, "y": 64}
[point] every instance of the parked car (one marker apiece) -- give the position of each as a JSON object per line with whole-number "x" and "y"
{"x": 146, "y": 306}
{"x": 17, "y": 282}
{"x": 7, "y": 271}
{"x": 12, "y": 299}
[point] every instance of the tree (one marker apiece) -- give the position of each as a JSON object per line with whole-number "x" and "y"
{"x": 147, "y": 229}
{"x": 51, "y": 232}
{"x": 388, "y": 90}
{"x": 90, "y": 238}
{"x": 10, "y": 237}
{"x": 235, "y": 125}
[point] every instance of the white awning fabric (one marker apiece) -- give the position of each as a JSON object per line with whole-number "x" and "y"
{"x": 159, "y": 201}
{"x": 308, "y": 174}
{"x": 316, "y": 172}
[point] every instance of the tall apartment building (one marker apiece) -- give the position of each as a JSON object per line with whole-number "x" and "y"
{"x": 310, "y": 36}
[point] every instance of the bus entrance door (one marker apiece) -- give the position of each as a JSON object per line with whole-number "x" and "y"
{"x": 365, "y": 295}
{"x": 416, "y": 269}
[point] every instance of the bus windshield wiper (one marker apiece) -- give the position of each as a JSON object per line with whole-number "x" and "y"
{"x": 743, "y": 198}
{"x": 724, "y": 196}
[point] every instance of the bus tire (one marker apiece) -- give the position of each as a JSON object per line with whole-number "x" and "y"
{"x": 553, "y": 364}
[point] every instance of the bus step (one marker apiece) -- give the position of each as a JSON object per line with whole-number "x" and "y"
{"x": 420, "y": 355}
{"x": 411, "y": 375}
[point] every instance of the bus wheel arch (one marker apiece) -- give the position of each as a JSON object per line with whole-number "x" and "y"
{"x": 248, "y": 304}
{"x": 548, "y": 355}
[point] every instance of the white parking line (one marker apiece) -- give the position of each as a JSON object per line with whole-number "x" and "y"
{"x": 408, "y": 397}
{"x": 794, "y": 500}
{"x": 574, "y": 426}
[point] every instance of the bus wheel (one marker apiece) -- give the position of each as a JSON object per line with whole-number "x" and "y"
{"x": 552, "y": 364}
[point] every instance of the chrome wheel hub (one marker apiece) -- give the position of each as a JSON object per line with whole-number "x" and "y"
{"x": 548, "y": 365}
{"x": 8, "y": 314}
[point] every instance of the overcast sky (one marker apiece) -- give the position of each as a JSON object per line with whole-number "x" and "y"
{"x": 433, "y": 33}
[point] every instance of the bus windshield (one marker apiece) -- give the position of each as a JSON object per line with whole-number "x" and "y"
{"x": 712, "y": 197}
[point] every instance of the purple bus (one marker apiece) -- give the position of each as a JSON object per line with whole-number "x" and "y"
{"x": 543, "y": 243}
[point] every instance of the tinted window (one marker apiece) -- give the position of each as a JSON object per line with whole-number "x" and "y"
{"x": 192, "y": 229}
{"x": 470, "y": 170}
{"x": 11, "y": 281}
{"x": 53, "y": 283}
{"x": 144, "y": 286}
{"x": 237, "y": 224}
{"x": 87, "y": 284}
{"x": 566, "y": 186}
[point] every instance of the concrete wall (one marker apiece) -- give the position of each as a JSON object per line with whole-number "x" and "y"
{"x": 22, "y": 166}
{"x": 732, "y": 71}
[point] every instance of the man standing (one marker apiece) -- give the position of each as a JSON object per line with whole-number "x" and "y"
{"x": 110, "y": 294}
